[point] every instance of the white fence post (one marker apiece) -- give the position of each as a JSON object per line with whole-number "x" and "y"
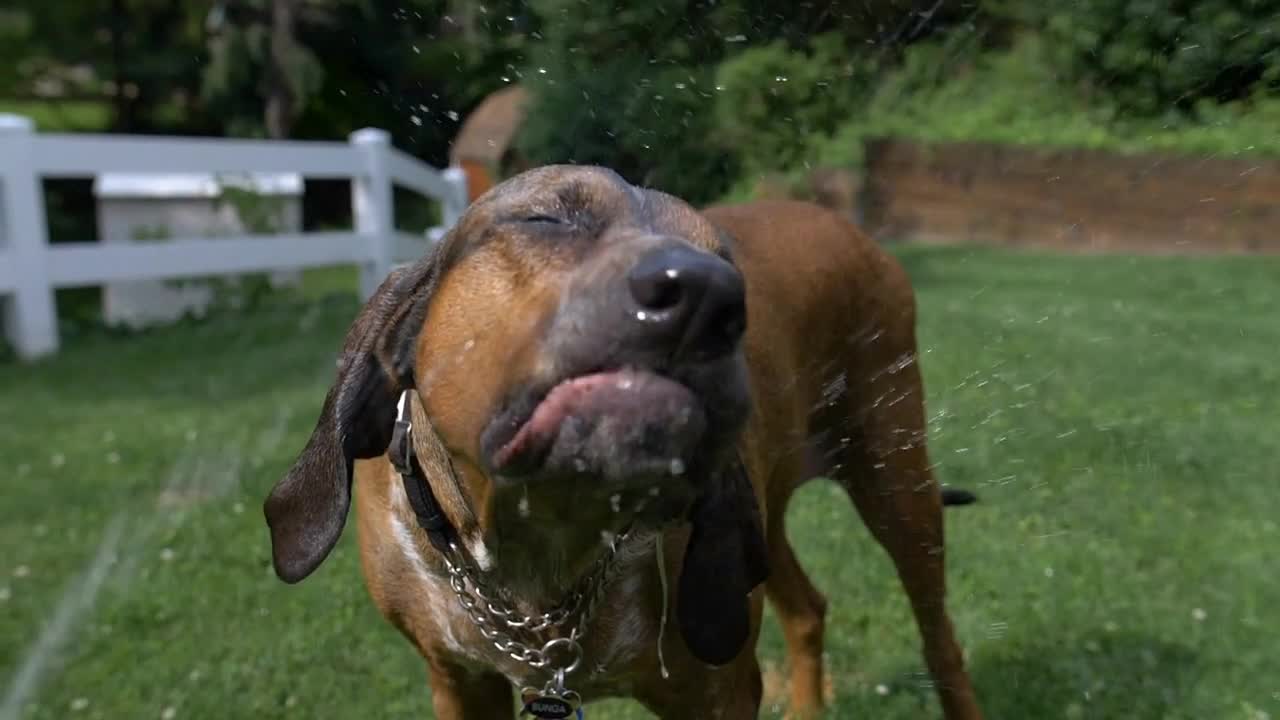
{"x": 453, "y": 207}
{"x": 372, "y": 205}
{"x": 31, "y": 318}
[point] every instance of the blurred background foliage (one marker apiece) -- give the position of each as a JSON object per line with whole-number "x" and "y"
{"x": 697, "y": 97}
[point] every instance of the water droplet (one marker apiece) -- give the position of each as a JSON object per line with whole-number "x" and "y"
{"x": 58, "y": 460}
{"x": 615, "y": 502}
{"x": 677, "y": 466}
{"x": 108, "y": 436}
{"x": 21, "y": 571}
{"x": 736, "y": 38}
{"x": 542, "y": 71}
{"x": 415, "y": 120}
{"x": 452, "y": 115}
{"x": 1199, "y": 615}
{"x": 5, "y": 594}
{"x": 169, "y": 713}
{"x": 79, "y": 704}
{"x": 625, "y": 383}
{"x": 642, "y": 315}
{"x": 167, "y": 554}
{"x": 113, "y": 457}
{"x": 882, "y": 689}
{"x": 1048, "y": 572}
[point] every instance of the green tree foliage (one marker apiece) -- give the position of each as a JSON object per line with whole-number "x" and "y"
{"x": 772, "y": 100}
{"x": 1155, "y": 56}
{"x": 628, "y": 85}
{"x": 640, "y": 86}
{"x": 137, "y": 56}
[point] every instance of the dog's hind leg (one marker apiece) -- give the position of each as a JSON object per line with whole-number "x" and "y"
{"x": 884, "y": 466}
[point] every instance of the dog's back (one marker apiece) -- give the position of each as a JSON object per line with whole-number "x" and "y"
{"x": 826, "y": 306}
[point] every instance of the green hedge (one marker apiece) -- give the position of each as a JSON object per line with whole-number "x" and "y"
{"x": 1015, "y": 96}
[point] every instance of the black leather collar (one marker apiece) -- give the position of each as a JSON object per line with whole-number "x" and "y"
{"x": 426, "y": 508}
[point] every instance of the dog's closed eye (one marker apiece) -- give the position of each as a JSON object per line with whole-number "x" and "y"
{"x": 541, "y": 219}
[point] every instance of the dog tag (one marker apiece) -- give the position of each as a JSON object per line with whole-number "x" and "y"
{"x": 550, "y": 706}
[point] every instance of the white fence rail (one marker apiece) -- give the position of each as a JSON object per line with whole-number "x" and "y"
{"x": 31, "y": 269}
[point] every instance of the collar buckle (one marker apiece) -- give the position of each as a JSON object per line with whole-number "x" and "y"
{"x": 401, "y": 447}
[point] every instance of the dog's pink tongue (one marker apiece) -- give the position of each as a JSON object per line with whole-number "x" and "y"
{"x": 603, "y": 394}
{"x": 565, "y": 397}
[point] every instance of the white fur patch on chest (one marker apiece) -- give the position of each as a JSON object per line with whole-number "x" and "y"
{"x": 429, "y": 588}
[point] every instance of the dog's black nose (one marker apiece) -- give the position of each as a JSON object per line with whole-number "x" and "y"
{"x": 689, "y": 302}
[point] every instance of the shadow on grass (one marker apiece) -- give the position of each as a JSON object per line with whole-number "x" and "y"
{"x": 1097, "y": 674}
{"x": 1104, "y": 674}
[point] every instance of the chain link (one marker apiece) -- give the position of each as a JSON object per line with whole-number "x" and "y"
{"x": 493, "y": 617}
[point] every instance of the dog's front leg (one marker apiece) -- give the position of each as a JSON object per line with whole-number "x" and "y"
{"x": 458, "y": 693}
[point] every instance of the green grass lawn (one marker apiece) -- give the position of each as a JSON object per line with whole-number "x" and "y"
{"x": 1110, "y": 411}
{"x": 67, "y": 116}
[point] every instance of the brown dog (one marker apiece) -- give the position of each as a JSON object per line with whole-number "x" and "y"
{"x": 585, "y": 411}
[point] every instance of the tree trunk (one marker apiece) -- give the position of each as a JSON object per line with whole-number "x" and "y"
{"x": 281, "y": 103}
{"x": 123, "y": 105}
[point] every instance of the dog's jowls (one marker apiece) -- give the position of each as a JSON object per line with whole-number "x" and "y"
{"x": 585, "y": 356}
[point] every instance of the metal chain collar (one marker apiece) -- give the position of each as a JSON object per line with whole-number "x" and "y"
{"x": 497, "y": 620}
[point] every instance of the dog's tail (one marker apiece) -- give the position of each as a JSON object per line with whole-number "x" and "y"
{"x": 956, "y": 496}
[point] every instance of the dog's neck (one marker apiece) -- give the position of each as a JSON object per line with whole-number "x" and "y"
{"x": 535, "y": 542}
{"x": 543, "y": 543}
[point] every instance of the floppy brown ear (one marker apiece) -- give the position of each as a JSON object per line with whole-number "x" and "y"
{"x": 307, "y": 508}
{"x": 724, "y": 560}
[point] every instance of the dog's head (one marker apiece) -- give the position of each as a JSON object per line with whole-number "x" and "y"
{"x": 576, "y": 344}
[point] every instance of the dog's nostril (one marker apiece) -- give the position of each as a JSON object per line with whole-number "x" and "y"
{"x": 657, "y": 288}
{"x": 691, "y": 304}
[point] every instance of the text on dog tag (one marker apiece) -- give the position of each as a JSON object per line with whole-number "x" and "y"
{"x": 549, "y": 707}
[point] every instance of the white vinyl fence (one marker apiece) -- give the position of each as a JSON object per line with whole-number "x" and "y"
{"x": 31, "y": 269}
